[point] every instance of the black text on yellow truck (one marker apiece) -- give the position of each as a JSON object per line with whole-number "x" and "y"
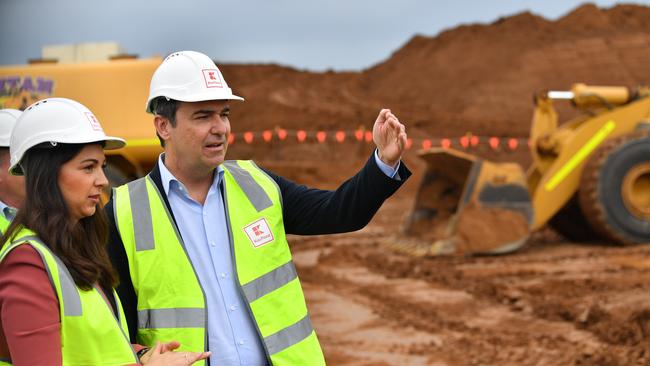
{"x": 115, "y": 90}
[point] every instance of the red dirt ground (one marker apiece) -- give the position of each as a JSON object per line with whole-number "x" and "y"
{"x": 551, "y": 303}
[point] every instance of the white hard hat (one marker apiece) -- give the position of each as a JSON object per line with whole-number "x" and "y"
{"x": 8, "y": 119}
{"x": 56, "y": 120}
{"x": 188, "y": 76}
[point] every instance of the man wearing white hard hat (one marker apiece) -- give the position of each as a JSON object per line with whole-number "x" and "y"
{"x": 12, "y": 188}
{"x": 200, "y": 242}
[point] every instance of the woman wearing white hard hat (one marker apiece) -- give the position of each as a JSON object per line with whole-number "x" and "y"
{"x": 57, "y": 295}
{"x": 12, "y": 188}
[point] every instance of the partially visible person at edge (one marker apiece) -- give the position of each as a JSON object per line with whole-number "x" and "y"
{"x": 200, "y": 242}
{"x": 12, "y": 188}
{"x": 57, "y": 300}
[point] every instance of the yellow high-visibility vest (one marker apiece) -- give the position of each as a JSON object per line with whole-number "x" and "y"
{"x": 90, "y": 332}
{"x": 4, "y": 223}
{"x": 171, "y": 302}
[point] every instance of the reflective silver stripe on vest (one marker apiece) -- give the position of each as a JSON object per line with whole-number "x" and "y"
{"x": 141, "y": 213}
{"x": 171, "y": 318}
{"x": 255, "y": 193}
{"x": 270, "y": 281}
{"x": 71, "y": 299}
{"x": 289, "y": 336}
{"x": 277, "y": 187}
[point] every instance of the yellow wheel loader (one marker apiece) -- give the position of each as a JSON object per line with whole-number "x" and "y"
{"x": 589, "y": 179}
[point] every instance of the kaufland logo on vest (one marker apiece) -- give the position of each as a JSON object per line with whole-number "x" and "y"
{"x": 259, "y": 233}
{"x": 212, "y": 78}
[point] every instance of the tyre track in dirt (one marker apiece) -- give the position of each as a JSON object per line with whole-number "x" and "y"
{"x": 551, "y": 304}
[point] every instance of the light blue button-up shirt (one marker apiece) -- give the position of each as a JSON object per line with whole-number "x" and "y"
{"x": 232, "y": 336}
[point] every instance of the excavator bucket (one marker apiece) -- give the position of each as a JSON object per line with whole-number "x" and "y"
{"x": 467, "y": 205}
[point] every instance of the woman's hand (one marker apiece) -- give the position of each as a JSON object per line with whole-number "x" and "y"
{"x": 165, "y": 347}
{"x": 163, "y": 354}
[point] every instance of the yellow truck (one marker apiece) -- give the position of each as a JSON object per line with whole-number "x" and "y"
{"x": 115, "y": 90}
{"x": 589, "y": 179}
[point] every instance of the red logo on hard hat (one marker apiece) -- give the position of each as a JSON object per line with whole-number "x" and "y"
{"x": 94, "y": 123}
{"x": 212, "y": 78}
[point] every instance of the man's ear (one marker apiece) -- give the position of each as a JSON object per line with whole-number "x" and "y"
{"x": 162, "y": 125}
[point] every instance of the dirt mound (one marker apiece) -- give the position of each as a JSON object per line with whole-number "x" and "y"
{"x": 481, "y": 77}
{"x": 477, "y": 78}
{"x": 482, "y": 229}
{"x": 552, "y": 302}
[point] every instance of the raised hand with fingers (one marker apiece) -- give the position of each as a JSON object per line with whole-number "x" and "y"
{"x": 390, "y": 137}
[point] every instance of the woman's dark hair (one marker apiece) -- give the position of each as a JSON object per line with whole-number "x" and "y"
{"x": 81, "y": 245}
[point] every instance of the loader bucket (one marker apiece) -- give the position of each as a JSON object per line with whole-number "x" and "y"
{"x": 467, "y": 205}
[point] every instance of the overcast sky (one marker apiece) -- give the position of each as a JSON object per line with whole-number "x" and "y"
{"x": 309, "y": 34}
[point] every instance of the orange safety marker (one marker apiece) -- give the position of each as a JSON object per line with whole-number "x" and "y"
{"x": 301, "y": 135}
{"x": 464, "y": 142}
{"x": 340, "y": 136}
{"x": 445, "y": 143}
{"x": 358, "y": 134}
{"x": 494, "y": 143}
{"x": 267, "y": 135}
{"x": 513, "y": 143}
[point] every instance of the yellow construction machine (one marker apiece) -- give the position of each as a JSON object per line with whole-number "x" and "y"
{"x": 589, "y": 179}
{"x": 115, "y": 90}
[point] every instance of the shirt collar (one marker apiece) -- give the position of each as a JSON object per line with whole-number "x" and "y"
{"x": 166, "y": 177}
{"x": 7, "y": 211}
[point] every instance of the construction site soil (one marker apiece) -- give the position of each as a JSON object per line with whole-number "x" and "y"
{"x": 551, "y": 303}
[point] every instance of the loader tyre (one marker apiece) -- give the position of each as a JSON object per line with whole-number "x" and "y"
{"x": 571, "y": 223}
{"x": 615, "y": 189}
